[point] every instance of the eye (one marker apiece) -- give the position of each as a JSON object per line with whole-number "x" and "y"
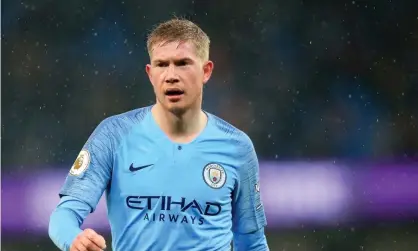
{"x": 182, "y": 63}
{"x": 162, "y": 64}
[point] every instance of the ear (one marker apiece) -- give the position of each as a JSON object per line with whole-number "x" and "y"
{"x": 207, "y": 71}
{"x": 148, "y": 70}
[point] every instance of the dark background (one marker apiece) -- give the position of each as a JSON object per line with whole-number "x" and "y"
{"x": 307, "y": 80}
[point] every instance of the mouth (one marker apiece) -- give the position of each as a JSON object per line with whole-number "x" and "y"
{"x": 174, "y": 94}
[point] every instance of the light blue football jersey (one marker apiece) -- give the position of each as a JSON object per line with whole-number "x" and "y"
{"x": 166, "y": 196}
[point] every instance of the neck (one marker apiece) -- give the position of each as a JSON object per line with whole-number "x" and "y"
{"x": 182, "y": 127}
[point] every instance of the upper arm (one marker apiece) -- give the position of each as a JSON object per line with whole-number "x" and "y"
{"x": 91, "y": 172}
{"x": 248, "y": 211}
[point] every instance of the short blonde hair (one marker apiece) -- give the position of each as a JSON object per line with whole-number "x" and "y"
{"x": 180, "y": 30}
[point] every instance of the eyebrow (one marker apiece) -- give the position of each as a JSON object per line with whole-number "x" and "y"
{"x": 156, "y": 61}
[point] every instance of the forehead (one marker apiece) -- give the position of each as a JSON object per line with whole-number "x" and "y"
{"x": 173, "y": 50}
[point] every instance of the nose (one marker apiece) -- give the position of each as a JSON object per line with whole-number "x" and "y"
{"x": 171, "y": 76}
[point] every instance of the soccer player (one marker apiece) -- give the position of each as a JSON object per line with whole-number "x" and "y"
{"x": 175, "y": 176}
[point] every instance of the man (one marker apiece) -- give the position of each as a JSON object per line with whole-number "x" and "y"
{"x": 176, "y": 177}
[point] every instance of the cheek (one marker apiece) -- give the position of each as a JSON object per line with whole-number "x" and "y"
{"x": 155, "y": 81}
{"x": 194, "y": 78}
{"x": 157, "y": 87}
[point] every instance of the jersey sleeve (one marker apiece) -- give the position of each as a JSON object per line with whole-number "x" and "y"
{"x": 91, "y": 172}
{"x": 247, "y": 208}
{"x": 65, "y": 221}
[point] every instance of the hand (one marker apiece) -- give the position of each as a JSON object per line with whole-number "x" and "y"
{"x": 88, "y": 240}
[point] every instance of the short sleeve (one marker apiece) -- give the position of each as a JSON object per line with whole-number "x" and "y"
{"x": 248, "y": 211}
{"x": 91, "y": 172}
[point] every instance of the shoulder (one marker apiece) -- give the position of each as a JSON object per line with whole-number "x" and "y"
{"x": 117, "y": 125}
{"x": 236, "y": 136}
{"x": 127, "y": 118}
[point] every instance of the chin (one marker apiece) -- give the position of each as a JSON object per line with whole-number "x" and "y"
{"x": 176, "y": 108}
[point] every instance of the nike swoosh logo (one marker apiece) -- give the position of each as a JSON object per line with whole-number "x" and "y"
{"x": 134, "y": 169}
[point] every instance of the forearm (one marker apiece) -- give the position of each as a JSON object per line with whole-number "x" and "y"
{"x": 66, "y": 220}
{"x": 255, "y": 241}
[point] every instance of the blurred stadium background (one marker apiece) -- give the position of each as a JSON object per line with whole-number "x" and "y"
{"x": 327, "y": 90}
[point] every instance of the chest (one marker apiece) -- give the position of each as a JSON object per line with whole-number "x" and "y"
{"x": 179, "y": 173}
